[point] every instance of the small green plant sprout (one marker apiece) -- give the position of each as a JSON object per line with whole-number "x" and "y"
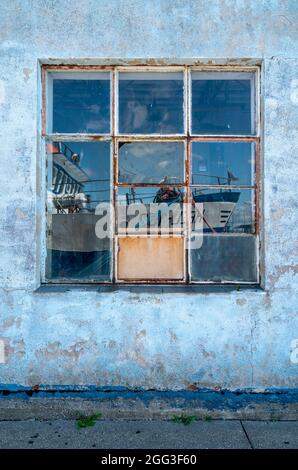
{"x": 207, "y": 418}
{"x": 183, "y": 419}
{"x": 88, "y": 421}
{"x": 275, "y": 418}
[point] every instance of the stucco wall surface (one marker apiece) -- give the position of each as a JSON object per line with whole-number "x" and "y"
{"x": 157, "y": 340}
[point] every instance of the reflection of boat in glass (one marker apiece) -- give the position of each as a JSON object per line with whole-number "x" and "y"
{"x": 218, "y": 203}
{"x": 214, "y": 205}
{"x": 218, "y": 206}
{"x": 68, "y": 180}
{"x": 73, "y": 248}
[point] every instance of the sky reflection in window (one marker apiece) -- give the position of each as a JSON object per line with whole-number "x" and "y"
{"x": 150, "y": 103}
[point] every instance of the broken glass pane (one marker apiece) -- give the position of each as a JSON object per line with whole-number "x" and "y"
{"x": 78, "y": 184}
{"x": 223, "y": 103}
{"x": 226, "y": 258}
{"x": 150, "y": 103}
{"x": 225, "y": 210}
{"x": 80, "y": 103}
{"x": 151, "y": 162}
{"x": 223, "y": 163}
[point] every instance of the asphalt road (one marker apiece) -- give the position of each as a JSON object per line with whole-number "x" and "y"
{"x": 155, "y": 434}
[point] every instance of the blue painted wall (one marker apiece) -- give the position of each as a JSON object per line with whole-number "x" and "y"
{"x": 229, "y": 339}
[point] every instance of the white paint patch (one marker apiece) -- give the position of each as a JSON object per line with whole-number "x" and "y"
{"x": 2, "y": 92}
{"x": 294, "y": 91}
{"x": 294, "y": 353}
{"x": 27, "y": 72}
{"x": 2, "y": 351}
{"x": 20, "y": 214}
{"x": 272, "y": 103}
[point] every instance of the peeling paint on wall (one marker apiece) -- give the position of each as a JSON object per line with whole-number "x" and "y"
{"x": 2, "y": 92}
{"x": 294, "y": 91}
{"x": 2, "y": 351}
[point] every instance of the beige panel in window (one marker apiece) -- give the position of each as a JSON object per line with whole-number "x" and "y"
{"x": 145, "y": 258}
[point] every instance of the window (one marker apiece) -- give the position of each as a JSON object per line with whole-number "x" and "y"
{"x": 152, "y": 174}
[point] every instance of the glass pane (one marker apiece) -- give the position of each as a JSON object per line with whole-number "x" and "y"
{"x": 222, "y": 103}
{"x": 151, "y": 162}
{"x": 81, "y": 103}
{"x": 223, "y": 163}
{"x": 156, "y": 210}
{"x": 225, "y": 259}
{"x": 225, "y": 210}
{"x": 150, "y": 103}
{"x": 78, "y": 181}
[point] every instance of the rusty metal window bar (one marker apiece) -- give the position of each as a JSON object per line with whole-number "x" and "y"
{"x": 210, "y": 117}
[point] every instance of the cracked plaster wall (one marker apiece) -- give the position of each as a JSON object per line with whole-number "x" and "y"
{"x": 238, "y": 339}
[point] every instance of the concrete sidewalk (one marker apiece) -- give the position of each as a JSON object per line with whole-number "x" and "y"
{"x": 143, "y": 434}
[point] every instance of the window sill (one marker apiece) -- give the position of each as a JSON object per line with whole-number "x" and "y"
{"x": 151, "y": 289}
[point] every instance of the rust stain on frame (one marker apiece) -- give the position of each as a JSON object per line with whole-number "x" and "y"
{"x": 150, "y": 258}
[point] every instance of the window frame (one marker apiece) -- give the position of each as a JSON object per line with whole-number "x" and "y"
{"x": 187, "y": 137}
